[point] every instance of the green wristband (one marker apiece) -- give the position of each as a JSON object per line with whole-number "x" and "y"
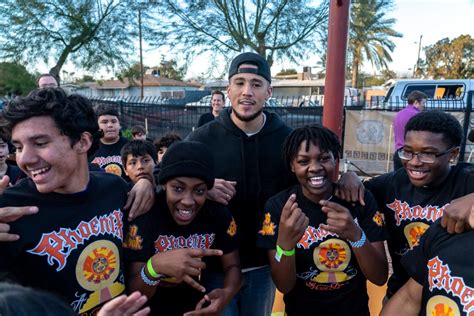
{"x": 280, "y": 252}
{"x": 151, "y": 271}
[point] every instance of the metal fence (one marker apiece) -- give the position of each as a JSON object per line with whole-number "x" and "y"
{"x": 163, "y": 118}
{"x": 375, "y": 103}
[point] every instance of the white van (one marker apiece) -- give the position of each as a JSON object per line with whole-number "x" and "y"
{"x": 351, "y": 98}
{"x": 205, "y": 101}
{"x": 442, "y": 94}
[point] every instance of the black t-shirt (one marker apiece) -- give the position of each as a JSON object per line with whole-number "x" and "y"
{"x": 14, "y": 173}
{"x": 205, "y": 118}
{"x": 328, "y": 277}
{"x": 73, "y": 245}
{"x": 443, "y": 264}
{"x": 410, "y": 210}
{"x": 156, "y": 231}
{"x": 108, "y": 157}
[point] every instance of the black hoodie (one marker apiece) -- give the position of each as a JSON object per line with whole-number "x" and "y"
{"x": 255, "y": 163}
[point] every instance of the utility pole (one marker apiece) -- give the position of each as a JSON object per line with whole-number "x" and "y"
{"x": 336, "y": 65}
{"x": 338, "y": 31}
{"x": 415, "y": 69}
{"x": 141, "y": 50}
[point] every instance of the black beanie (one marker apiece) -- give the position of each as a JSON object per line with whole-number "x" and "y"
{"x": 187, "y": 159}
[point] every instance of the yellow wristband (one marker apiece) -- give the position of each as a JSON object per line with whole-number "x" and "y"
{"x": 151, "y": 271}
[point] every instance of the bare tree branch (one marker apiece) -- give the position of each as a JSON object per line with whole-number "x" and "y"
{"x": 89, "y": 33}
{"x": 274, "y": 29}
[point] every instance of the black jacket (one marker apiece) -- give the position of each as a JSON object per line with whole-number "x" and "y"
{"x": 205, "y": 118}
{"x": 255, "y": 163}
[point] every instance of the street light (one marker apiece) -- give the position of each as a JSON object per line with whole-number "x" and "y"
{"x": 415, "y": 69}
{"x": 141, "y": 51}
{"x": 140, "y": 5}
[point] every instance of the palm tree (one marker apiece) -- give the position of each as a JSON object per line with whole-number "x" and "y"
{"x": 370, "y": 35}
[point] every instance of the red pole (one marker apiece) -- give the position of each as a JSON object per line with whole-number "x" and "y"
{"x": 336, "y": 65}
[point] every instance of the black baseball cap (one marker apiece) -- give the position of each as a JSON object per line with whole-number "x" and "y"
{"x": 263, "y": 69}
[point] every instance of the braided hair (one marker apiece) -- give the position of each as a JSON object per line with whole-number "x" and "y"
{"x": 315, "y": 134}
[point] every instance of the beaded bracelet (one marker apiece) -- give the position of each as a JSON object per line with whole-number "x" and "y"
{"x": 359, "y": 243}
{"x": 147, "y": 280}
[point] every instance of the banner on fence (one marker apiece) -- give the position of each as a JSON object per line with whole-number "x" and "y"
{"x": 368, "y": 139}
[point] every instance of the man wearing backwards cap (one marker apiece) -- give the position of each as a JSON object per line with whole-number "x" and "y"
{"x": 246, "y": 144}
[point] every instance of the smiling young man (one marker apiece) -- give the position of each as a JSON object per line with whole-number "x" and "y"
{"x": 246, "y": 143}
{"x": 217, "y": 105}
{"x": 414, "y": 197}
{"x": 72, "y": 244}
{"x": 108, "y": 156}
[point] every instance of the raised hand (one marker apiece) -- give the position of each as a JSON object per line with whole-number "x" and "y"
{"x": 11, "y": 214}
{"x": 4, "y": 182}
{"x": 349, "y": 188}
{"x": 293, "y": 223}
{"x": 183, "y": 264}
{"x": 222, "y": 191}
{"x": 212, "y": 304}
{"x": 340, "y": 221}
{"x": 140, "y": 198}
{"x": 124, "y": 305}
{"x": 459, "y": 214}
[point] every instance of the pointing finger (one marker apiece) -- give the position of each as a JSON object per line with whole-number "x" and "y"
{"x": 10, "y": 214}
{"x": 4, "y": 183}
{"x": 332, "y": 206}
{"x": 4, "y": 235}
{"x": 361, "y": 195}
{"x": 205, "y": 252}
{"x": 230, "y": 185}
{"x": 193, "y": 283}
{"x": 288, "y": 207}
{"x": 444, "y": 220}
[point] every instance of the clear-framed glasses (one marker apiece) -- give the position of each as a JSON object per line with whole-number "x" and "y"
{"x": 423, "y": 157}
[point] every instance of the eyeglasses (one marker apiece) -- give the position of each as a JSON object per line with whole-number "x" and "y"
{"x": 423, "y": 157}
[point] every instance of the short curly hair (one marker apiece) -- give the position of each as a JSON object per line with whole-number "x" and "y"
{"x": 166, "y": 140}
{"x": 72, "y": 114}
{"x": 437, "y": 122}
